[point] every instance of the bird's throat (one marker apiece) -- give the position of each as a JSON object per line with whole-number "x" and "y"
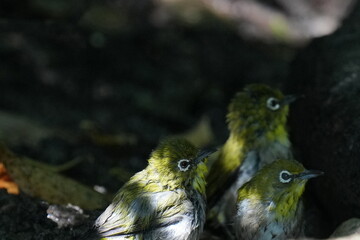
{"x": 288, "y": 203}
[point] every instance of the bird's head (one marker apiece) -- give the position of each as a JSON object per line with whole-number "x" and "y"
{"x": 258, "y": 111}
{"x": 279, "y": 184}
{"x": 179, "y": 164}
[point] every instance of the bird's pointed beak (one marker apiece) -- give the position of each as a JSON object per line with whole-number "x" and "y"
{"x": 307, "y": 174}
{"x": 290, "y": 98}
{"x": 204, "y": 154}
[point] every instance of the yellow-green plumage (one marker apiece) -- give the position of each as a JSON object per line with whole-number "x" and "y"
{"x": 269, "y": 205}
{"x": 257, "y": 123}
{"x": 264, "y": 187}
{"x": 164, "y": 201}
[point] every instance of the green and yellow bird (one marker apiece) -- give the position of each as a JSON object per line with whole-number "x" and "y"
{"x": 258, "y": 135}
{"x": 269, "y": 206}
{"x": 166, "y": 200}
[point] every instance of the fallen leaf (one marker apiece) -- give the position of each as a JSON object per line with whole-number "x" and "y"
{"x": 37, "y": 180}
{"x": 6, "y": 182}
{"x": 201, "y": 134}
{"x": 99, "y": 138}
{"x": 122, "y": 174}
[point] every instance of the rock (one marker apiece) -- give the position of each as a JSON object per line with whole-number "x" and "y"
{"x": 350, "y": 227}
{"x": 66, "y": 215}
{"x": 326, "y": 123}
{"x": 23, "y": 217}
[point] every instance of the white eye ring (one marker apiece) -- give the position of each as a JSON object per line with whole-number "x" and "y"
{"x": 273, "y": 103}
{"x": 184, "y": 165}
{"x": 285, "y": 176}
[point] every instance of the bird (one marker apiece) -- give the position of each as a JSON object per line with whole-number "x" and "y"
{"x": 269, "y": 206}
{"x": 256, "y": 120}
{"x": 166, "y": 200}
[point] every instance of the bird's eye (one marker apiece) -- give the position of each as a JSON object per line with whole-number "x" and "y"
{"x": 285, "y": 176}
{"x": 184, "y": 165}
{"x": 273, "y": 103}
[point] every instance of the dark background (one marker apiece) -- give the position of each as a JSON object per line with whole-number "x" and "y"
{"x": 137, "y": 71}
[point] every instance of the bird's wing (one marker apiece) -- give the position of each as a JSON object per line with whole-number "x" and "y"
{"x": 224, "y": 175}
{"x": 220, "y": 173}
{"x": 146, "y": 212}
{"x": 220, "y": 185}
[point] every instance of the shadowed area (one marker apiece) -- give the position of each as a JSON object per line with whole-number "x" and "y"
{"x": 88, "y": 88}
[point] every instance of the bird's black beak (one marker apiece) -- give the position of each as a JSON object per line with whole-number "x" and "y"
{"x": 204, "y": 154}
{"x": 290, "y": 98}
{"x": 307, "y": 174}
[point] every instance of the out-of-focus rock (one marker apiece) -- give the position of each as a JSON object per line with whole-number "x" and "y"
{"x": 326, "y": 124}
{"x": 350, "y": 227}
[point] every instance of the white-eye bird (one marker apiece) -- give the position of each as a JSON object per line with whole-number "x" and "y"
{"x": 269, "y": 206}
{"x": 166, "y": 200}
{"x": 256, "y": 120}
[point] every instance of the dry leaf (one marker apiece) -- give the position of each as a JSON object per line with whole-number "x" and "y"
{"x": 6, "y": 182}
{"x": 100, "y": 138}
{"x": 37, "y": 180}
{"x": 121, "y": 173}
{"x": 201, "y": 134}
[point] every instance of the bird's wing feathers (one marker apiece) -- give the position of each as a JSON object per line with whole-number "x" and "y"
{"x": 146, "y": 212}
{"x": 224, "y": 177}
{"x": 225, "y": 180}
{"x": 219, "y": 174}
